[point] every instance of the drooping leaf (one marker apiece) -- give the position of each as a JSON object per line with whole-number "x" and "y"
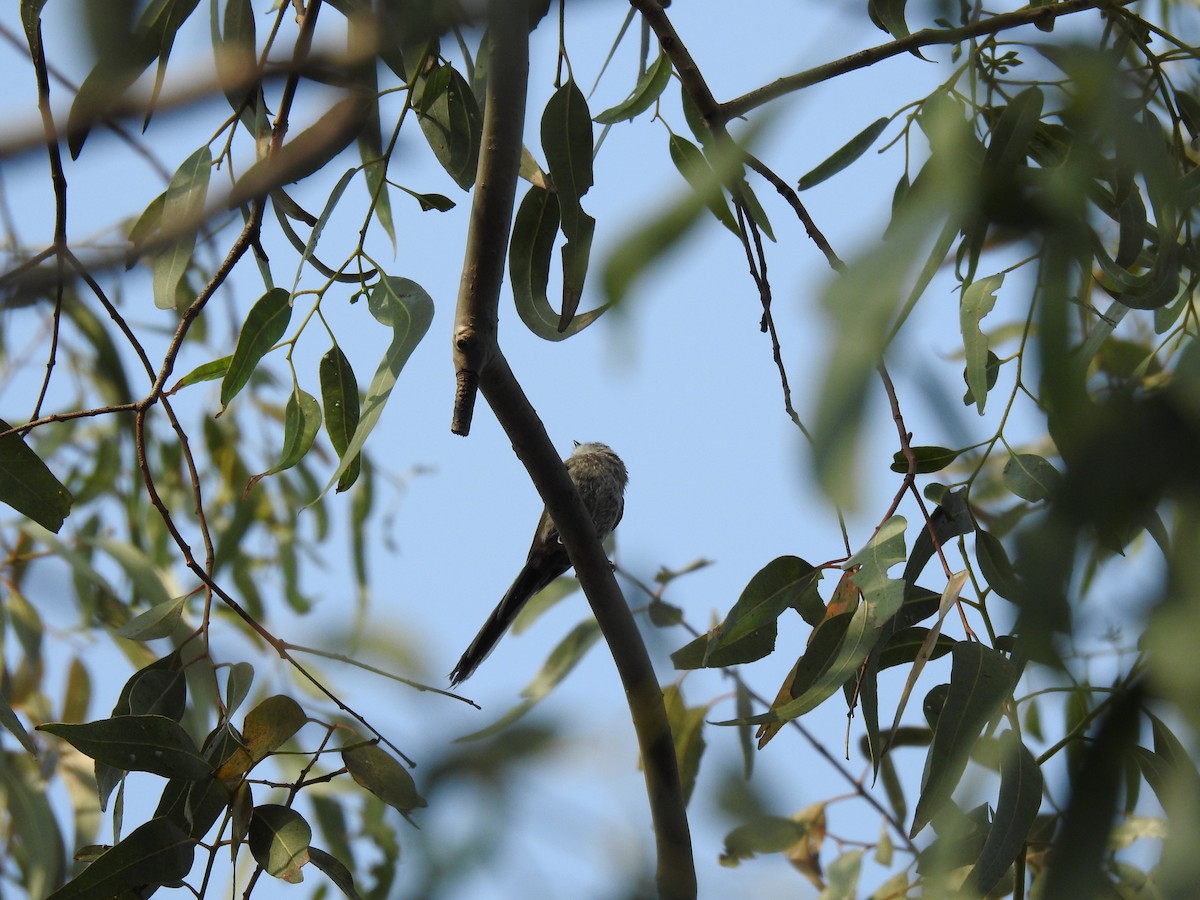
{"x": 567, "y": 143}
{"x": 28, "y": 485}
{"x": 158, "y": 689}
{"x": 1030, "y": 476}
{"x": 980, "y": 679}
{"x": 301, "y": 421}
{"x": 339, "y": 395}
{"x": 692, "y": 165}
{"x": 648, "y": 89}
{"x": 265, "y": 324}
{"x": 268, "y": 727}
{"x": 279, "y": 838}
{"x": 452, "y": 123}
{"x": 844, "y": 155}
{"x": 404, "y": 306}
{"x": 183, "y": 205}
{"x": 374, "y": 769}
{"x": 1016, "y": 809}
{"x": 335, "y": 870}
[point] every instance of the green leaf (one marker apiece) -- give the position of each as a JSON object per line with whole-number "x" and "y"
{"x": 279, "y": 839}
{"x": 977, "y": 301}
{"x": 155, "y": 853}
{"x": 452, "y": 123}
{"x": 567, "y": 143}
{"x": 1017, "y": 808}
{"x": 752, "y": 622}
{"x": 339, "y": 395}
{"x": 1030, "y": 477}
{"x": 265, "y": 325}
{"x": 183, "y": 206}
{"x": 28, "y": 486}
{"x": 237, "y": 686}
{"x": 842, "y": 876}
{"x": 153, "y": 744}
{"x": 335, "y": 870}
{"x": 888, "y": 15}
{"x": 156, "y": 622}
{"x": 980, "y": 680}
{"x": 693, "y": 166}
{"x": 765, "y": 834}
{"x": 929, "y": 459}
{"x": 882, "y": 598}
{"x": 534, "y": 230}
{"x": 845, "y": 155}
{"x": 404, "y": 306}
{"x": 439, "y": 202}
{"x": 648, "y": 89}
{"x": 903, "y": 646}
{"x": 158, "y": 689}
{"x": 209, "y": 371}
{"x": 34, "y": 842}
{"x": 995, "y": 567}
{"x": 301, "y": 420}
{"x": 992, "y": 371}
{"x": 314, "y": 237}
{"x": 687, "y": 730}
{"x": 383, "y": 776}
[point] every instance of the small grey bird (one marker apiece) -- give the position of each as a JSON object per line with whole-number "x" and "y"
{"x": 600, "y": 478}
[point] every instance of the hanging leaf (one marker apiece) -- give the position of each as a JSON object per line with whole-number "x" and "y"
{"x": 980, "y": 680}
{"x": 1016, "y": 809}
{"x": 183, "y": 206}
{"x": 301, "y": 420}
{"x": 648, "y": 89}
{"x": 404, "y": 306}
{"x": 1030, "y": 477}
{"x": 452, "y": 123}
{"x": 28, "y": 485}
{"x": 265, "y": 325}
{"x": 844, "y": 155}
{"x": 373, "y": 769}
{"x": 339, "y": 394}
{"x": 689, "y": 160}
{"x": 279, "y": 839}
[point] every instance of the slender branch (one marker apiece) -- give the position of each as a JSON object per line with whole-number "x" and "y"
{"x": 676, "y": 877}
{"x": 926, "y": 37}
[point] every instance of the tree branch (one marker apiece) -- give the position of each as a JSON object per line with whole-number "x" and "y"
{"x": 926, "y": 37}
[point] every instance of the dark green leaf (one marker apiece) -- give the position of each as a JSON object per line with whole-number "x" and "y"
{"x": 155, "y": 853}
{"x": 567, "y": 143}
{"x": 699, "y": 653}
{"x": 339, "y": 394}
{"x": 335, "y": 871}
{"x": 777, "y": 586}
{"x": 440, "y": 202}
{"x": 534, "y": 231}
{"x": 903, "y": 646}
{"x": 648, "y": 88}
{"x": 766, "y": 834}
{"x": 1017, "y": 807}
{"x": 928, "y": 459}
{"x": 995, "y": 567}
{"x": 136, "y": 743}
{"x": 379, "y": 773}
{"x": 888, "y": 15}
{"x": 265, "y": 325}
{"x": 301, "y": 420}
{"x": 845, "y": 155}
{"x": 279, "y": 839}
{"x": 452, "y": 123}
{"x": 692, "y": 165}
{"x": 1030, "y": 477}
{"x": 28, "y": 486}
{"x": 158, "y": 689}
{"x": 404, "y": 306}
{"x": 980, "y": 680}
{"x": 992, "y": 372}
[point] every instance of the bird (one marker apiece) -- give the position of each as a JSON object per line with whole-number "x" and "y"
{"x": 600, "y": 477}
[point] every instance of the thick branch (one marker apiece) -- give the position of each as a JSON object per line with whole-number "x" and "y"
{"x": 491, "y": 210}
{"x": 926, "y": 37}
{"x": 676, "y": 870}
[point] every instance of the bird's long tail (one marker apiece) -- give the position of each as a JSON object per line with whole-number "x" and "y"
{"x": 530, "y": 580}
